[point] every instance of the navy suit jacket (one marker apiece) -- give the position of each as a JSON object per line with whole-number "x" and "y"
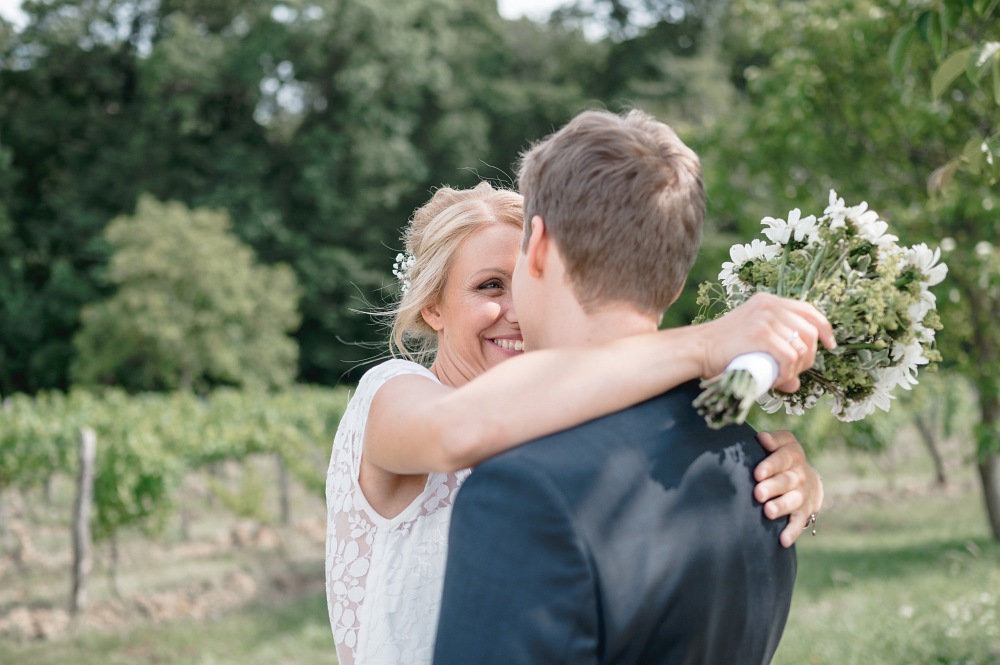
{"x": 633, "y": 538}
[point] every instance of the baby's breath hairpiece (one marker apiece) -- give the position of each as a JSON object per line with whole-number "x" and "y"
{"x": 401, "y": 269}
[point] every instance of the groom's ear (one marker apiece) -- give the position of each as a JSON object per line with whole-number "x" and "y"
{"x": 659, "y": 321}
{"x": 538, "y": 247}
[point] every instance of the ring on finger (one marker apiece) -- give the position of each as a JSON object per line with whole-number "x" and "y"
{"x": 811, "y": 522}
{"x": 794, "y": 336}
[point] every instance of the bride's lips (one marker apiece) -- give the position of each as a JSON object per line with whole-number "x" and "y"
{"x": 512, "y": 344}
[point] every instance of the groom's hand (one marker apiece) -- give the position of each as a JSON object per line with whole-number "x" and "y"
{"x": 787, "y": 329}
{"x": 786, "y": 484}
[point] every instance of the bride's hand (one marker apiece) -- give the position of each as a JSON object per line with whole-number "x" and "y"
{"x": 786, "y": 484}
{"x": 786, "y": 329}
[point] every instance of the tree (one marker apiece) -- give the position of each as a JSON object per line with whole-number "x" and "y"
{"x": 961, "y": 47}
{"x": 318, "y": 127}
{"x": 191, "y": 307}
{"x": 963, "y": 37}
{"x": 398, "y": 98}
{"x": 820, "y": 110}
{"x": 974, "y": 299}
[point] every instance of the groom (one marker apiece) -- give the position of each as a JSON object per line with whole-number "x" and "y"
{"x": 633, "y": 538}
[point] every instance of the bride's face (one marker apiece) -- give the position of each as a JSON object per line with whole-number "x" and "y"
{"x": 475, "y": 320}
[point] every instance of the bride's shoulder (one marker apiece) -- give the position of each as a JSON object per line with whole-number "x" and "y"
{"x": 356, "y": 414}
{"x": 392, "y": 368}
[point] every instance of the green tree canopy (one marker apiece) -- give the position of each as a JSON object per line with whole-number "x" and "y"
{"x": 963, "y": 37}
{"x": 821, "y": 109}
{"x": 191, "y": 308}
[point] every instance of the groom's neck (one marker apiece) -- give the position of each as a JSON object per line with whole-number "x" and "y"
{"x": 599, "y": 326}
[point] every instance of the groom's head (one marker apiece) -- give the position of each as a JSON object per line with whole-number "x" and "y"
{"x": 621, "y": 199}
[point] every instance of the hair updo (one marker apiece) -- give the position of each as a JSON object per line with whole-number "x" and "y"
{"x": 432, "y": 236}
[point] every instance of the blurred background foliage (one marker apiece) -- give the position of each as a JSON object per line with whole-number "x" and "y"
{"x": 265, "y": 156}
{"x": 317, "y": 126}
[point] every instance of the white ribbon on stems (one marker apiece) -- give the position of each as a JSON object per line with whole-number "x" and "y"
{"x": 762, "y": 367}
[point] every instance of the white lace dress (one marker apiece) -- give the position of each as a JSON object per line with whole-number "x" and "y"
{"x": 383, "y": 576}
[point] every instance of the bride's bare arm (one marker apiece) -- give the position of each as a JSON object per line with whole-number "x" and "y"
{"x": 416, "y": 425}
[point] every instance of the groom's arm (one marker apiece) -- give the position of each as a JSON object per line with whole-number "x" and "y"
{"x": 518, "y": 585}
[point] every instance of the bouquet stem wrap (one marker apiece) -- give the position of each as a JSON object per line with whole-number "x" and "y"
{"x": 728, "y": 397}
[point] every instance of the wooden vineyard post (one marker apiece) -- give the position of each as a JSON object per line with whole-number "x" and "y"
{"x": 82, "y": 543}
{"x": 284, "y": 491}
{"x": 5, "y": 545}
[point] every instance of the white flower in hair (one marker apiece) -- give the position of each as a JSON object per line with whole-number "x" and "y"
{"x": 401, "y": 269}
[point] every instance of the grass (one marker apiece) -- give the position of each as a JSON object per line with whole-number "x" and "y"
{"x": 908, "y": 577}
{"x": 292, "y": 633}
{"x": 897, "y": 582}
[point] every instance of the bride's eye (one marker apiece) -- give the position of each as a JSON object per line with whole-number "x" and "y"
{"x": 491, "y": 284}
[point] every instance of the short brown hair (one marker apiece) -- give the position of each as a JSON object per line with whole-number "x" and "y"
{"x": 623, "y": 199}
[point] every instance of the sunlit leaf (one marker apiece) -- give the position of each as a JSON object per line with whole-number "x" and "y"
{"x": 948, "y": 71}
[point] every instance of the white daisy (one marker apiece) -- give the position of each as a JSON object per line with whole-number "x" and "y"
{"x": 756, "y": 249}
{"x": 770, "y": 403}
{"x": 926, "y": 262}
{"x": 851, "y": 411}
{"x": 896, "y": 376}
{"x": 778, "y": 231}
{"x": 862, "y": 216}
{"x": 806, "y": 228}
{"x": 836, "y": 211}
{"x": 874, "y": 231}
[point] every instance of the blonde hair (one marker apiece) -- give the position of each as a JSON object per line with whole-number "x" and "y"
{"x": 623, "y": 200}
{"x": 432, "y": 236}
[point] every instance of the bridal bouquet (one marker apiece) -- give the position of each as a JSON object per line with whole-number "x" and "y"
{"x": 874, "y": 291}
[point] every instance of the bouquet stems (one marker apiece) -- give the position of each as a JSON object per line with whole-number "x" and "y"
{"x": 727, "y": 398}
